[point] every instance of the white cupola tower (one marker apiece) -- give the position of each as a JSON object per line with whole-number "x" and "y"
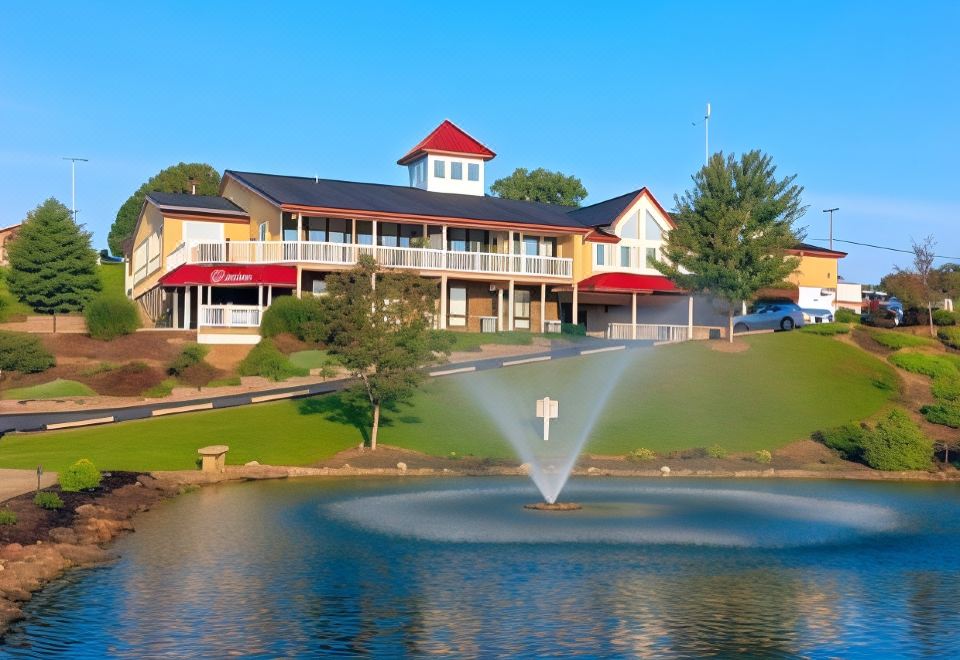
{"x": 448, "y": 160}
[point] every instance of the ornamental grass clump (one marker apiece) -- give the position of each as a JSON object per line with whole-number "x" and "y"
{"x": 82, "y": 475}
{"x": 7, "y": 517}
{"x": 111, "y": 316}
{"x": 47, "y": 500}
{"x": 641, "y": 455}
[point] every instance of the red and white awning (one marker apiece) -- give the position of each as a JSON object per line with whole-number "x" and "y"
{"x": 257, "y": 275}
{"x": 627, "y": 283}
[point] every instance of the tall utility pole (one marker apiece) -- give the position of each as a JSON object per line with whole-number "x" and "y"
{"x": 830, "y": 211}
{"x": 706, "y": 136}
{"x": 73, "y": 183}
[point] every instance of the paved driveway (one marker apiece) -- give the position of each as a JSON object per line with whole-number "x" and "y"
{"x": 18, "y": 482}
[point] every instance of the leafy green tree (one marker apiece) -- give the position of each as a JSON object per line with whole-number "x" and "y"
{"x": 53, "y": 268}
{"x": 174, "y": 179}
{"x": 897, "y": 443}
{"x": 905, "y": 286}
{"x": 733, "y": 229}
{"x": 540, "y": 185}
{"x": 380, "y": 328}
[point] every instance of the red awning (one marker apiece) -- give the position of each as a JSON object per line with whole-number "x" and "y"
{"x": 189, "y": 275}
{"x": 628, "y": 283}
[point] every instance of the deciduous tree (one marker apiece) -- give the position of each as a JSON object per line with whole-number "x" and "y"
{"x": 174, "y": 179}
{"x": 53, "y": 267}
{"x": 380, "y": 327}
{"x": 733, "y": 229}
{"x": 540, "y": 185}
{"x": 923, "y": 255}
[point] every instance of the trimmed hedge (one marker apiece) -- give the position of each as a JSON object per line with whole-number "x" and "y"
{"x": 935, "y": 366}
{"x": 82, "y": 475}
{"x": 945, "y": 413}
{"x": 826, "y": 329}
{"x": 109, "y": 317}
{"x": 24, "y": 353}
{"x": 305, "y": 318}
{"x": 573, "y": 329}
{"x": 847, "y": 440}
{"x": 845, "y": 315}
{"x": 897, "y": 443}
{"x": 898, "y": 340}
{"x": 266, "y": 360}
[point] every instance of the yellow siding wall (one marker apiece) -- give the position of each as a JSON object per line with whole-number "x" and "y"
{"x": 815, "y": 272}
{"x": 259, "y": 210}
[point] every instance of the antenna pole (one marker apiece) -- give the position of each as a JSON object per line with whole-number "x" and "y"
{"x": 73, "y": 184}
{"x": 830, "y": 211}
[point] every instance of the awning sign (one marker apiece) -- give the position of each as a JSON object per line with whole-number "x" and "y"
{"x": 252, "y": 275}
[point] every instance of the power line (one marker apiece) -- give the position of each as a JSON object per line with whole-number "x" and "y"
{"x": 882, "y": 247}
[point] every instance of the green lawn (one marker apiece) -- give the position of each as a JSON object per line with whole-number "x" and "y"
{"x": 55, "y": 389}
{"x": 674, "y": 397}
{"x": 10, "y": 307}
{"x": 111, "y": 276}
{"x": 312, "y": 359}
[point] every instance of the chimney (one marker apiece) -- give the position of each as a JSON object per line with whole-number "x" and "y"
{"x": 193, "y": 185}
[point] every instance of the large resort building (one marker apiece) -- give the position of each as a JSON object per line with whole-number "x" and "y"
{"x": 215, "y": 263}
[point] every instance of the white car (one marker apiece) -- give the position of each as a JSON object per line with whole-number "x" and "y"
{"x": 817, "y": 315}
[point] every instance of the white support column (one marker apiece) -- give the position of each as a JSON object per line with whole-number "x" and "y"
{"x": 444, "y": 247}
{"x": 186, "y": 308}
{"x": 523, "y": 254}
{"x": 373, "y": 233}
{"x": 690, "y": 317}
{"x": 499, "y": 309}
{"x": 443, "y": 301}
{"x": 576, "y": 315}
{"x": 633, "y": 315}
{"x": 176, "y": 308}
{"x": 543, "y": 308}
{"x": 510, "y": 306}
{"x": 269, "y": 295}
{"x": 260, "y": 297}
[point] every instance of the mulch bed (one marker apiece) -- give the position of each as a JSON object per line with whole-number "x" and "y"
{"x": 158, "y": 347}
{"x": 34, "y": 523}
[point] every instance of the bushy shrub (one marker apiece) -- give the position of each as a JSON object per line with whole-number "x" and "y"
{"x": 82, "y": 475}
{"x": 641, "y": 455}
{"x": 266, "y": 360}
{"x": 46, "y": 500}
{"x": 898, "y": 340}
{"x": 950, "y": 337}
{"x": 24, "y": 353}
{"x": 7, "y": 517}
{"x": 573, "y": 329}
{"x": 947, "y": 387}
{"x": 847, "y": 440}
{"x": 945, "y": 413}
{"x": 844, "y": 315}
{"x": 934, "y": 366}
{"x": 305, "y": 318}
{"x": 161, "y": 389}
{"x": 762, "y": 456}
{"x": 716, "y": 451}
{"x": 190, "y": 355}
{"x": 826, "y": 329}
{"x": 945, "y": 317}
{"x": 897, "y": 443}
{"x": 112, "y": 316}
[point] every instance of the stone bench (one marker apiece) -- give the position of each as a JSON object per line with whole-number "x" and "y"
{"x": 213, "y": 458}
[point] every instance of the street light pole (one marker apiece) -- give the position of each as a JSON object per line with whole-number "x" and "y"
{"x": 830, "y": 211}
{"x": 73, "y": 183}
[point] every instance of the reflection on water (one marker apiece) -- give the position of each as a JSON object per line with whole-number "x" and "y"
{"x": 295, "y": 569}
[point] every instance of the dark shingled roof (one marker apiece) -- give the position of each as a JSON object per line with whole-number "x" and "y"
{"x": 208, "y": 203}
{"x": 807, "y": 247}
{"x": 603, "y": 213}
{"x": 375, "y": 197}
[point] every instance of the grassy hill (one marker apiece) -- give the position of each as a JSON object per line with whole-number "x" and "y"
{"x": 674, "y": 397}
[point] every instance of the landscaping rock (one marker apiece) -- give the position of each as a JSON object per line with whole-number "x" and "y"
{"x": 665, "y": 470}
{"x": 402, "y": 466}
{"x": 524, "y": 468}
{"x": 251, "y": 463}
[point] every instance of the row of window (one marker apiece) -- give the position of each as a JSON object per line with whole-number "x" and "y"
{"x": 625, "y": 257}
{"x": 457, "y": 308}
{"x": 456, "y": 170}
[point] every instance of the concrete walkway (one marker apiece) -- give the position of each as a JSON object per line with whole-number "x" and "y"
{"x": 18, "y": 482}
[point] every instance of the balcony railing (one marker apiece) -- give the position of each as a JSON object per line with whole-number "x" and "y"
{"x": 229, "y": 316}
{"x": 256, "y": 252}
{"x": 659, "y": 332}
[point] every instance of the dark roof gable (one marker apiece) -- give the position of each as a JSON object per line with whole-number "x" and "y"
{"x": 206, "y": 203}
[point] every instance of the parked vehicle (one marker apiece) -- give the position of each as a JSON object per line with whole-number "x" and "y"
{"x": 770, "y": 316}
{"x": 884, "y": 311}
{"x": 817, "y": 315}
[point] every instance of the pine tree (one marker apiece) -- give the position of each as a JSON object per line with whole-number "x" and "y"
{"x": 53, "y": 268}
{"x": 733, "y": 229}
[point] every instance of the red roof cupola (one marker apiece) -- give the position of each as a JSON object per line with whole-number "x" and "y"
{"x": 448, "y": 139}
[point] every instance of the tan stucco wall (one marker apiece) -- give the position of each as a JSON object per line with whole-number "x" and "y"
{"x": 259, "y": 210}
{"x": 816, "y": 272}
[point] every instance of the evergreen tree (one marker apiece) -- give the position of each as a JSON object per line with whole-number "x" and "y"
{"x": 733, "y": 229}
{"x": 380, "y": 328}
{"x": 174, "y": 179}
{"x": 540, "y": 185}
{"x": 53, "y": 268}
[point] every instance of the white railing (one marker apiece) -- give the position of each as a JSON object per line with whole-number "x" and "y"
{"x": 252, "y": 252}
{"x": 178, "y": 257}
{"x": 229, "y": 316}
{"x": 659, "y": 332}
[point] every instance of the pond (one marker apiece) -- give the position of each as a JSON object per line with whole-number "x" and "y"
{"x": 413, "y": 567}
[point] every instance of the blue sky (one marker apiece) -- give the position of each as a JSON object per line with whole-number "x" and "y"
{"x": 861, "y": 100}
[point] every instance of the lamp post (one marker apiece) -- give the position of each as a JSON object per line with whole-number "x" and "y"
{"x": 830, "y": 211}
{"x": 73, "y": 183}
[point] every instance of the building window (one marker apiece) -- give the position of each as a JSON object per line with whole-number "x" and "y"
{"x": 521, "y": 308}
{"x": 473, "y": 171}
{"x": 438, "y": 169}
{"x": 630, "y": 227}
{"x": 625, "y": 257}
{"x": 456, "y": 170}
{"x": 318, "y": 287}
{"x": 599, "y": 255}
{"x": 531, "y": 246}
{"x": 457, "y": 240}
{"x": 653, "y": 231}
{"x": 651, "y": 257}
{"x": 262, "y": 231}
{"x": 457, "y": 310}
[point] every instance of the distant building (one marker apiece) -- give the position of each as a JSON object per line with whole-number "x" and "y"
{"x": 6, "y": 234}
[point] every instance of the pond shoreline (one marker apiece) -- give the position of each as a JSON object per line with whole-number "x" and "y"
{"x": 27, "y": 567}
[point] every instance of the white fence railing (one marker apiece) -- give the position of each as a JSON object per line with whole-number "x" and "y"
{"x": 178, "y": 257}
{"x": 229, "y": 316}
{"x": 660, "y": 332}
{"x": 252, "y": 252}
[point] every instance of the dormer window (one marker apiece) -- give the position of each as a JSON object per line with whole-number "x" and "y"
{"x": 473, "y": 171}
{"x": 448, "y": 144}
{"x": 456, "y": 170}
{"x": 439, "y": 169}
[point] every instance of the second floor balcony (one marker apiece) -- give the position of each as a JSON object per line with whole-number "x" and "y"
{"x": 347, "y": 254}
